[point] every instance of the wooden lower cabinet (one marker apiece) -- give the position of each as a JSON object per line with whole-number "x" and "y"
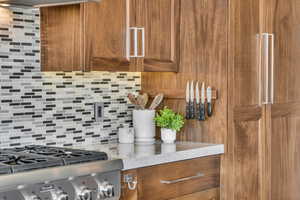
{"x": 185, "y": 180}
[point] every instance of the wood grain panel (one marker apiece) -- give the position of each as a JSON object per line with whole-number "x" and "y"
{"x": 285, "y": 148}
{"x": 150, "y": 187}
{"x": 203, "y": 57}
{"x": 211, "y": 194}
{"x": 247, "y": 142}
{"x": 161, "y": 20}
{"x": 284, "y": 22}
{"x": 246, "y": 161}
{"x": 105, "y": 35}
{"x": 61, "y": 42}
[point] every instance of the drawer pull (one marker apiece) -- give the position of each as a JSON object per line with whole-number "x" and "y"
{"x": 198, "y": 175}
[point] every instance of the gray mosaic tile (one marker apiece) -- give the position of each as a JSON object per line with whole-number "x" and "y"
{"x": 54, "y": 108}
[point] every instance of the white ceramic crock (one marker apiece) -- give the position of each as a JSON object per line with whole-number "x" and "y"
{"x": 144, "y": 126}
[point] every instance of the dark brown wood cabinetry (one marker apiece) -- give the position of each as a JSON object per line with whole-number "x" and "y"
{"x": 97, "y": 36}
{"x": 61, "y": 38}
{"x": 161, "y": 21}
{"x": 246, "y": 121}
{"x": 106, "y": 35}
{"x": 264, "y": 103}
{"x": 150, "y": 185}
{"x": 283, "y": 120}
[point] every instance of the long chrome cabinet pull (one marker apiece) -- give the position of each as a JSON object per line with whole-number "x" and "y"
{"x": 198, "y": 175}
{"x": 136, "y": 30}
{"x": 268, "y": 67}
{"x": 272, "y": 67}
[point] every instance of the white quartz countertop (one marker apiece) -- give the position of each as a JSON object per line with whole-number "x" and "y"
{"x": 144, "y": 155}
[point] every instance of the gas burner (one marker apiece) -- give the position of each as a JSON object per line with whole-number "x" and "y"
{"x": 4, "y": 169}
{"x": 69, "y": 156}
{"x": 18, "y": 162}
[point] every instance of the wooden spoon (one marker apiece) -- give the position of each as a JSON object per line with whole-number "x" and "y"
{"x": 156, "y": 101}
{"x": 132, "y": 99}
{"x": 143, "y": 100}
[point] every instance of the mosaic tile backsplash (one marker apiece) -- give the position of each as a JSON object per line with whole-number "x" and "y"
{"x": 54, "y": 108}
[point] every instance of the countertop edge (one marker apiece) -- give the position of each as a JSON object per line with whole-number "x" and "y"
{"x": 135, "y": 163}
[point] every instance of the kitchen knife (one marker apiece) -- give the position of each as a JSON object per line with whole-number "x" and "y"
{"x": 197, "y": 94}
{"x": 197, "y": 101}
{"x": 202, "y": 104}
{"x": 187, "y": 98}
{"x": 192, "y": 98}
{"x": 209, "y": 101}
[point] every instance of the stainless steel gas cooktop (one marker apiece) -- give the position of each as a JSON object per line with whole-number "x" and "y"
{"x": 53, "y": 173}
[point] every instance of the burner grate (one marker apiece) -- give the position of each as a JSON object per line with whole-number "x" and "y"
{"x": 68, "y": 156}
{"x": 18, "y": 162}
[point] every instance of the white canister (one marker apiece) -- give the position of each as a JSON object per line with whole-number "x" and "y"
{"x": 168, "y": 135}
{"x": 126, "y": 135}
{"x": 144, "y": 126}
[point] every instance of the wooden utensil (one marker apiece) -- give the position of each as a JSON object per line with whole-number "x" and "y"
{"x": 142, "y": 100}
{"x": 157, "y": 100}
{"x": 132, "y": 99}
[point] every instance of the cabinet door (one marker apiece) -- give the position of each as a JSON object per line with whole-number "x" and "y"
{"x": 161, "y": 20}
{"x": 246, "y": 122}
{"x": 106, "y": 35}
{"x": 60, "y": 37}
{"x": 284, "y": 115}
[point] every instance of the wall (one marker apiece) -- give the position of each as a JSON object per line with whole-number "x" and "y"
{"x": 53, "y": 108}
{"x": 203, "y": 58}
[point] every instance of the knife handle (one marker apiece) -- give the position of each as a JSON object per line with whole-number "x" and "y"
{"x": 209, "y": 109}
{"x": 192, "y": 110}
{"x": 202, "y": 112}
{"x": 187, "y": 109}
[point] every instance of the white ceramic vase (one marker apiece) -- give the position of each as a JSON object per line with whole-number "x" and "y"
{"x": 144, "y": 126}
{"x": 168, "y": 135}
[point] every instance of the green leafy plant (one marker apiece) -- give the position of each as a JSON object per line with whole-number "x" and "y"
{"x": 167, "y": 118}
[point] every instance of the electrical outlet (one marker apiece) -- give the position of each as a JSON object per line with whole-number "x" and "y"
{"x": 99, "y": 112}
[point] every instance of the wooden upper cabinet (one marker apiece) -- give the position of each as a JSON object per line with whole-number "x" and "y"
{"x": 106, "y": 36}
{"x": 61, "y": 38}
{"x": 161, "y": 21}
{"x": 99, "y": 36}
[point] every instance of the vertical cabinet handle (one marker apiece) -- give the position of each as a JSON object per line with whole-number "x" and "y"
{"x": 136, "y": 31}
{"x": 267, "y": 69}
{"x": 272, "y": 67}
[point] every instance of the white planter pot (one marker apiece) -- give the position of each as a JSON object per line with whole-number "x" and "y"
{"x": 168, "y": 135}
{"x": 144, "y": 126}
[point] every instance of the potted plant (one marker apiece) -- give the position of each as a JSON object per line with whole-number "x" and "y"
{"x": 170, "y": 123}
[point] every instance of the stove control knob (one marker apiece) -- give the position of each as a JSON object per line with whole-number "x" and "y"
{"x": 30, "y": 196}
{"x": 34, "y": 197}
{"x": 59, "y": 195}
{"x": 62, "y": 196}
{"x": 106, "y": 190}
{"x": 85, "y": 194}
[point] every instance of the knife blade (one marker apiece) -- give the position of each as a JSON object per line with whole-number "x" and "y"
{"x": 187, "y": 92}
{"x": 197, "y": 93}
{"x": 202, "y": 104}
{"x": 187, "y": 98}
{"x": 192, "y": 98}
{"x": 209, "y": 101}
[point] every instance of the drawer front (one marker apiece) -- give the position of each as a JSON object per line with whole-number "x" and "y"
{"x": 211, "y": 194}
{"x": 177, "y": 179}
